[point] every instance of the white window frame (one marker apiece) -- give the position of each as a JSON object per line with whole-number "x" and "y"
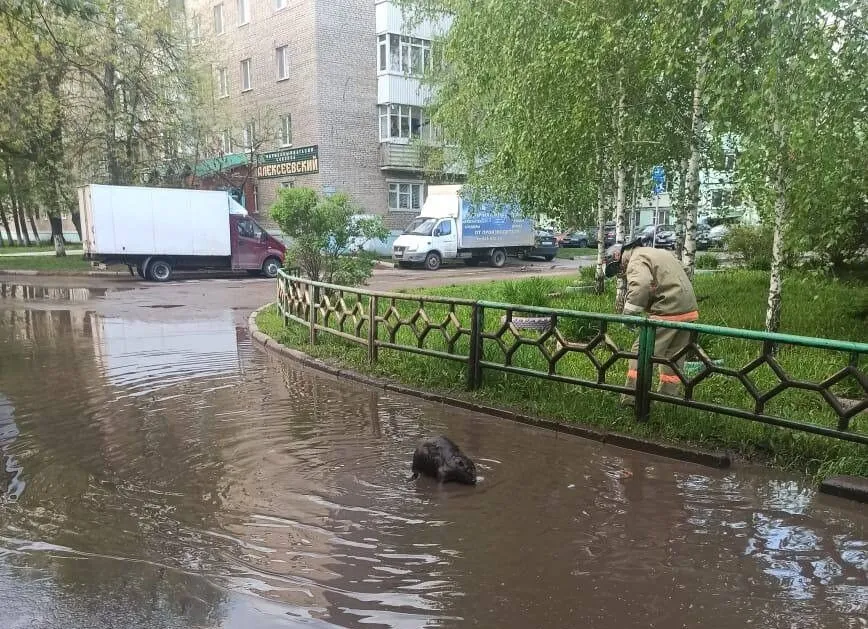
{"x": 411, "y": 56}
{"x": 280, "y": 5}
{"x": 286, "y": 130}
{"x": 397, "y": 123}
{"x": 243, "y": 12}
{"x": 246, "y": 74}
{"x": 281, "y": 58}
{"x": 225, "y": 142}
{"x": 217, "y": 19}
{"x": 248, "y": 135}
{"x": 196, "y": 27}
{"x": 411, "y": 191}
{"x": 222, "y": 83}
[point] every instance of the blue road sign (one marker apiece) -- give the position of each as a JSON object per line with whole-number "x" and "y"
{"x": 658, "y": 174}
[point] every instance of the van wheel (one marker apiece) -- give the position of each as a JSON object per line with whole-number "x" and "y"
{"x": 270, "y": 268}
{"x": 159, "y": 270}
{"x": 498, "y": 258}
{"x": 432, "y": 261}
{"x": 548, "y": 258}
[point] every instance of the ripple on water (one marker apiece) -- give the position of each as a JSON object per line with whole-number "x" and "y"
{"x": 175, "y": 476}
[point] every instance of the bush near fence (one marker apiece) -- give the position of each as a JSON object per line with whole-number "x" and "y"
{"x": 444, "y": 327}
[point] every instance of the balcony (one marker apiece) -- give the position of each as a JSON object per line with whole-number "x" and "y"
{"x": 405, "y": 157}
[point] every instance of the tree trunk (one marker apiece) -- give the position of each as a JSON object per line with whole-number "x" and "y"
{"x": 600, "y": 279}
{"x": 697, "y": 129}
{"x": 679, "y": 209}
{"x": 36, "y": 237}
{"x": 773, "y": 313}
{"x": 76, "y": 221}
{"x": 56, "y": 227}
{"x": 59, "y": 247}
{"x": 18, "y": 238}
{"x": 5, "y": 220}
{"x": 23, "y": 221}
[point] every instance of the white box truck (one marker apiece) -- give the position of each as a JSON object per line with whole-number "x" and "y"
{"x": 450, "y": 226}
{"x": 155, "y": 231}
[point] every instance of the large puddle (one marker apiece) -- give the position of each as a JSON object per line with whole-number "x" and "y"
{"x": 168, "y": 474}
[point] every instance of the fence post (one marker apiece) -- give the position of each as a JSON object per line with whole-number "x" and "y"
{"x": 311, "y": 319}
{"x": 372, "y": 329}
{"x": 645, "y": 376}
{"x": 474, "y": 369}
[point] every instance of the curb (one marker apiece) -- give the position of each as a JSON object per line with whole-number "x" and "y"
{"x": 850, "y": 487}
{"x": 32, "y": 273}
{"x": 717, "y": 460}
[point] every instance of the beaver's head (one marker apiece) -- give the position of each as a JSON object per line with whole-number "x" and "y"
{"x": 459, "y": 469}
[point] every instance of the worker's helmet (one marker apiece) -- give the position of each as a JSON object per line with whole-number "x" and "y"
{"x": 612, "y": 256}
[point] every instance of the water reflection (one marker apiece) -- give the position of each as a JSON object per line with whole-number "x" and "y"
{"x": 8, "y": 463}
{"x": 176, "y": 477}
{"x": 27, "y": 292}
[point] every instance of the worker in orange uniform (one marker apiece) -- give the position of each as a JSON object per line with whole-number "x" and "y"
{"x": 657, "y": 287}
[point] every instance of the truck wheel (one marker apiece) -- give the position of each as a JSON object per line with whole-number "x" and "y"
{"x": 270, "y": 268}
{"x": 498, "y": 258}
{"x": 159, "y": 270}
{"x": 432, "y": 261}
{"x": 471, "y": 261}
{"x": 548, "y": 258}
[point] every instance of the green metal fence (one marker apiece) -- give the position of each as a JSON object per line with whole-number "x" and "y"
{"x": 578, "y": 348}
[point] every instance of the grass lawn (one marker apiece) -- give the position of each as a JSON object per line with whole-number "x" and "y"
{"x": 41, "y": 247}
{"x": 568, "y": 253}
{"x": 812, "y": 307}
{"x": 72, "y": 262}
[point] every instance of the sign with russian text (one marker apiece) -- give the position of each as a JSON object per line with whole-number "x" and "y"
{"x": 287, "y": 162}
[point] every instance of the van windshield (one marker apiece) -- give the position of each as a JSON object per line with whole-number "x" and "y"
{"x": 421, "y": 226}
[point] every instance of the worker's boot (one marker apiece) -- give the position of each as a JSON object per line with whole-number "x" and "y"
{"x": 628, "y": 401}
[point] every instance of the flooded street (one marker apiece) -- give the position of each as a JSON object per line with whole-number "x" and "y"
{"x": 158, "y": 470}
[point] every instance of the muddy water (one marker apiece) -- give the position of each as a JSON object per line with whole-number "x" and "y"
{"x": 162, "y": 472}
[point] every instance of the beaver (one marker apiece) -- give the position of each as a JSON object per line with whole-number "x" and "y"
{"x": 440, "y": 458}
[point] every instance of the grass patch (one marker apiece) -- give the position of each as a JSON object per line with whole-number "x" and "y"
{"x": 568, "y": 253}
{"x": 40, "y": 247}
{"x": 731, "y": 298}
{"x": 71, "y": 262}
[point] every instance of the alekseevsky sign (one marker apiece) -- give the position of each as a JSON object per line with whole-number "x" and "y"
{"x": 300, "y": 161}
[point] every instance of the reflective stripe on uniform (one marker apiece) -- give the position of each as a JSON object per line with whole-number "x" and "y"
{"x": 685, "y": 317}
{"x": 632, "y": 373}
{"x": 664, "y": 377}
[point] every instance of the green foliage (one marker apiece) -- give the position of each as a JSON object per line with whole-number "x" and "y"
{"x": 533, "y": 292}
{"x": 328, "y": 235}
{"x": 707, "y": 261}
{"x": 750, "y": 247}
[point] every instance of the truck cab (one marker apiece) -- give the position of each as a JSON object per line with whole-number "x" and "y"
{"x": 252, "y": 246}
{"x": 427, "y": 240}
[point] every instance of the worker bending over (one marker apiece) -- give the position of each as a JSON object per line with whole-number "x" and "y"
{"x": 658, "y": 287}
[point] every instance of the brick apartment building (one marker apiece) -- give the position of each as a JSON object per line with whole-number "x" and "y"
{"x": 324, "y": 94}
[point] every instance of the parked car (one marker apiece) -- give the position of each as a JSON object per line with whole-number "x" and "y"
{"x": 608, "y": 234}
{"x": 579, "y": 239}
{"x": 664, "y": 239}
{"x": 703, "y": 237}
{"x": 545, "y": 246}
{"x": 717, "y": 234}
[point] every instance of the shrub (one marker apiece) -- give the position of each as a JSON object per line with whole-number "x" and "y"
{"x": 707, "y": 261}
{"x": 327, "y": 235}
{"x": 751, "y": 247}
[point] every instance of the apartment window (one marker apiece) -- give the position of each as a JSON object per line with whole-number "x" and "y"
{"x": 401, "y": 122}
{"x": 286, "y": 130}
{"x": 222, "y": 82}
{"x": 196, "y": 28}
{"x": 399, "y": 53}
{"x": 246, "y": 83}
{"x": 248, "y": 135}
{"x": 282, "y": 56}
{"x": 279, "y": 4}
{"x": 406, "y": 196}
{"x": 218, "y": 19}
{"x": 225, "y": 143}
{"x": 287, "y": 184}
{"x": 382, "y": 52}
{"x": 243, "y": 12}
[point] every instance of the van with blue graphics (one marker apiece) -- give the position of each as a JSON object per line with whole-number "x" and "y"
{"x": 452, "y": 227}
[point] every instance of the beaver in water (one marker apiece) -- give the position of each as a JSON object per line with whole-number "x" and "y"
{"x": 440, "y": 458}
